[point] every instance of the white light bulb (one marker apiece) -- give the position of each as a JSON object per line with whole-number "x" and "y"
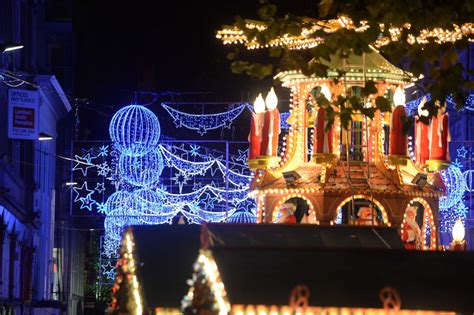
{"x": 458, "y": 231}
{"x": 271, "y": 100}
{"x": 399, "y": 97}
{"x": 259, "y": 104}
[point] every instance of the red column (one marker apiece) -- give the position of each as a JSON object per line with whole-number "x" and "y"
{"x": 439, "y": 133}
{"x": 422, "y": 142}
{"x": 255, "y": 136}
{"x": 270, "y": 132}
{"x": 322, "y": 141}
{"x": 398, "y": 139}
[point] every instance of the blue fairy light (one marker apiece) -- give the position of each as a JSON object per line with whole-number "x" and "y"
{"x": 135, "y": 130}
{"x": 455, "y": 184}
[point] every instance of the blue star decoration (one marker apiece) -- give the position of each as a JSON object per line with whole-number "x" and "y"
{"x": 90, "y": 152}
{"x": 83, "y": 163}
{"x": 99, "y": 187}
{"x": 101, "y": 208}
{"x": 103, "y": 150}
{"x": 108, "y": 271}
{"x": 462, "y": 152}
{"x": 80, "y": 191}
{"x": 87, "y": 202}
{"x": 201, "y": 130}
{"x": 197, "y": 185}
{"x": 180, "y": 180}
{"x": 243, "y": 155}
{"x": 208, "y": 202}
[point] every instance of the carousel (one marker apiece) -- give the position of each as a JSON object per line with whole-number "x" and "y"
{"x": 359, "y": 175}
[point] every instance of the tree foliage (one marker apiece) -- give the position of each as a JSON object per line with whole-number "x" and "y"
{"x": 437, "y": 62}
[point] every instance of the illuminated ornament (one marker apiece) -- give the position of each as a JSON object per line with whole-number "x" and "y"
{"x": 118, "y": 199}
{"x": 271, "y": 101}
{"x": 468, "y": 178}
{"x": 242, "y": 217}
{"x": 143, "y": 170}
{"x": 455, "y": 184}
{"x": 135, "y": 130}
{"x": 458, "y": 231}
{"x": 205, "y": 122}
{"x": 235, "y": 178}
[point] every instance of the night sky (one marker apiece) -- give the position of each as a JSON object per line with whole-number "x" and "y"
{"x": 140, "y": 48}
{"x": 124, "y": 47}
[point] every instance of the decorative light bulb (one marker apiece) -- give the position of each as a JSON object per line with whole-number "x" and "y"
{"x": 259, "y": 104}
{"x": 399, "y": 97}
{"x": 326, "y": 92}
{"x": 458, "y": 231}
{"x": 271, "y": 100}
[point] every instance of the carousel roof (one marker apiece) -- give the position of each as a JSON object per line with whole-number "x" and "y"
{"x": 371, "y": 66}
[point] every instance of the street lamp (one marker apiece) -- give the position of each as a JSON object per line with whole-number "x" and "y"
{"x": 44, "y": 137}
{"x": 9, "y": 46}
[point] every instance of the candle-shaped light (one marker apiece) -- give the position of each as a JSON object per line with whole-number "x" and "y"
{"x": 398, "y": 138}
{"x": 439, "y": 134}
{"x": 399, "y": 97}
{"x": 326, "y": 92}
{"x": 422, "y": 141}
{"x": 458, "y": 231}
{"x": 255, "y": 136}
{"x": 271, "y": 125}
{"x": 271, "y": 101}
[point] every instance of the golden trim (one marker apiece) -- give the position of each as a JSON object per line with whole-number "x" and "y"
{"x": 398, "y": 160}
{"x": 437, "y": 165}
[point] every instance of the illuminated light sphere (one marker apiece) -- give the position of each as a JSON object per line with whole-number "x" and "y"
{"x": 117, "y": 200}
{"x": 455, "y": 184}
{"x": 150, "y": 201}
{"x": 143, "y": 170}
{"x": 259, "y": 104}
{"x": 271, "y": 100}
{"x": 399, "y": 97}
{"x": 468, "y": 178}
{"x": 242, "y": 217}
{"x": 135, "y": 130}
{"x": 119, "y": 214}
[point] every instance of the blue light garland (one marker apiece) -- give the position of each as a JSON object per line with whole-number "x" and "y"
{"x": 205, "y": 122}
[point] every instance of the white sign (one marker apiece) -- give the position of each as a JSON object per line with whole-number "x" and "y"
{"x": 23, "y": 114}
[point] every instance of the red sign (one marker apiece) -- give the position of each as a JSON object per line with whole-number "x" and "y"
{"x": 23, "y": 117}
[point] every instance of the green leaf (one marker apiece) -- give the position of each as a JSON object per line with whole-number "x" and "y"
{"x": 383, "y": 104}
{"x": 370, "y": 88}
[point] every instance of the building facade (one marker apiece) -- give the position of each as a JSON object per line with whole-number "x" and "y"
{"x": 29, "y": 185}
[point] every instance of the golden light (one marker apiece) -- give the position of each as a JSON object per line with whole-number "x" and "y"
{"x": 271, "y": 100}
{"x": 326, "y": 92}
{"x": 259, "y": 104}
{"x": 458, "y": 231}
{"x": 399, "y": 97}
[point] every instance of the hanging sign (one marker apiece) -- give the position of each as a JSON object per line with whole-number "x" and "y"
{"x": 23, "y": 114}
